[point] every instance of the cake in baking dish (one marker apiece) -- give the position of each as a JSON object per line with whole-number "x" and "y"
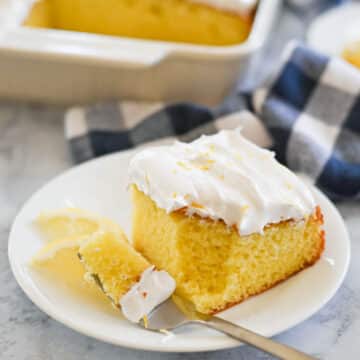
{"x": 223, "y": 217}
{"x": 210, "y": 22}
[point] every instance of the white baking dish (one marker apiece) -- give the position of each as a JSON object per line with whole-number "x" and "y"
{"x": 70, "y": 67}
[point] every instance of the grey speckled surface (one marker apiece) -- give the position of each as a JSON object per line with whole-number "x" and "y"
{"x": 33, "y": 150}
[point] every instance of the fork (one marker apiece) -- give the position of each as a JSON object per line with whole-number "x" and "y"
{"x": 168, "y": 316}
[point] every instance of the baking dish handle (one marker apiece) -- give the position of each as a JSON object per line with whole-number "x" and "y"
{"x": 82, "y": 47}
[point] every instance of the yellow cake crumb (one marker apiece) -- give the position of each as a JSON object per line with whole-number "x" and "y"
{"x": 204, "y": 167}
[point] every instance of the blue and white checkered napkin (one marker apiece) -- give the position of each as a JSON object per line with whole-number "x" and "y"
{"x": 309, "y": 115}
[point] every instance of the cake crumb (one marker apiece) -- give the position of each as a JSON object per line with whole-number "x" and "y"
{"x": 144, "y": 294}
{"x": 204, "y": 167}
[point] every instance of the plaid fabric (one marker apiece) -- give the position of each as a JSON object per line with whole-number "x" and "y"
{"x": 309, "y": 115}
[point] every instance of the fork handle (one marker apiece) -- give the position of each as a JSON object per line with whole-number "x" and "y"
{"x": 260, "y": 342}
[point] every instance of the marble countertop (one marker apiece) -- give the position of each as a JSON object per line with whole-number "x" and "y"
{"x": 33, "y": 150}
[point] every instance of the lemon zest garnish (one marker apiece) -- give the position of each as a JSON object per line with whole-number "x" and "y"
{"x": 197, "y": 205}
{"x": 204, "y": 167}
{"x": 289, "y": 186}
{"x": 183, "y": 165}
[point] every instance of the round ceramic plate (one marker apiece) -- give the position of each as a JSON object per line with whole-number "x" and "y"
{"x": 101, "y": 186}
{"x": 335, "y": 29}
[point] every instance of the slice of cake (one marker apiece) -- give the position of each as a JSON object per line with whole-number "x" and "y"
{"x": 210, "y": 22}
{"x": 129, "y": 281}
{"x": 223, "y": 217}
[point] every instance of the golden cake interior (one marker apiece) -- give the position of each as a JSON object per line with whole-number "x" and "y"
{"x": 167, "y": 20}
{"x": 113, "y": 264}
{"x": 214, "y": 267}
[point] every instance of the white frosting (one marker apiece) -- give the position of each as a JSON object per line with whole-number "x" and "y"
{"x": 153, "y": 288}
{"x": 236, "y": 6}
{"x": 223, "y": 176}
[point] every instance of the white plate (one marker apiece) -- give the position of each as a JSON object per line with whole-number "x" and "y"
{"x": 331, "y": 32}
{"x": 100, "y": 186}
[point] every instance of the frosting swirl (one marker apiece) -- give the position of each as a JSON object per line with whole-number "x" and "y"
{"x": 223, "y": 176}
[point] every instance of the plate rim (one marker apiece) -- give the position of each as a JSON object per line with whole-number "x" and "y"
{"x": 35, "y": 296}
